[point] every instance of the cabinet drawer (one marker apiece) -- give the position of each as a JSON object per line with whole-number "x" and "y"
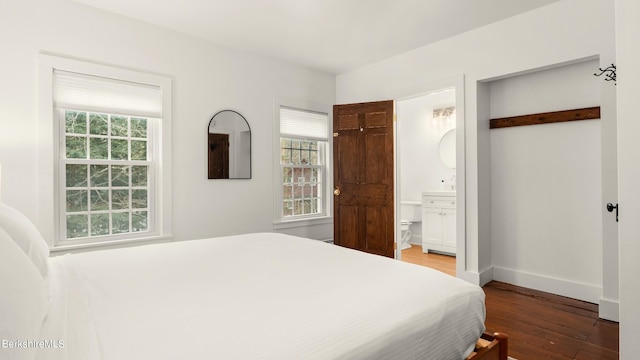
{"x": 442, "y": 202}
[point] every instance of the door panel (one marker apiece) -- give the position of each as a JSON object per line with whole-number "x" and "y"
{"x": 363, "y": 173}
{"x": 376, "y": 171}
{"x": 376, "y": 119}
{"x": 375, "y": 237}
{"x": 449, "y": 225}
{"x": 346, "y": 122}
{"x": 432, "y": 226}
{"x": 349, "y": 226}
{"x": 348, "y": 166}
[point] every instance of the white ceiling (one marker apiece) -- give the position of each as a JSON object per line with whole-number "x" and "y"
{"x": 333, "y": 36}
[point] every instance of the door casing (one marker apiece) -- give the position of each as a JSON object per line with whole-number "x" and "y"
{"x": 457, "y": 83}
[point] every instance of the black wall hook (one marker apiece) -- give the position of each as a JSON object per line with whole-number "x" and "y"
{"x": 610, "y": 208}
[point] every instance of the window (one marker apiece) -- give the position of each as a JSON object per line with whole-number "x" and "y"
{"x": 303, "y": 171}
{"x": 110, "y": 153}
{"x": 302, "y": 177}
{"x": 106, "y": 163}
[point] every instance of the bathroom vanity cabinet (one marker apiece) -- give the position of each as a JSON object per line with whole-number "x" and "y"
{"x": 439, "y": 222}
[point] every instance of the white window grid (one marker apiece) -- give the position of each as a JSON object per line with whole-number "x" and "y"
{"x": 303, "y": 183}
{"x": 132, "y": 209}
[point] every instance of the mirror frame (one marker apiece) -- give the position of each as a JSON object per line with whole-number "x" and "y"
{"x": 209, "y": 160}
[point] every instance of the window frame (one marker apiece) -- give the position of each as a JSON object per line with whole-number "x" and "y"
{"x": 151, "y": 163}
{"x": 280, "y": 221}
{"x": 320, "y": 183}
{"x": 51, "y": 140}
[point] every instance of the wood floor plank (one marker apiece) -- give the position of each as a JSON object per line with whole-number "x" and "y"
{"x": 444, "y": 263}
{"x": 597, "y": 354}
{"x": 561, "y": 326}
{"x": 539, "y": 325}
{"x": 605, "y": 334}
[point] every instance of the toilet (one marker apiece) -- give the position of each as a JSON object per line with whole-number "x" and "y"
{"x": 410, "y": 213}
{"x": 405, "y": 234}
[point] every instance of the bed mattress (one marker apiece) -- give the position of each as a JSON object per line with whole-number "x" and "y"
{"x": 256, "y": 296}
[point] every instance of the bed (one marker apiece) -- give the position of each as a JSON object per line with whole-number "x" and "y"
{"x": 253, "y": 296}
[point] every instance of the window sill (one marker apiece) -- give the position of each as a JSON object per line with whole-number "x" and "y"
{"x": 114, "y": 244}
{"x": 286, "y": 224}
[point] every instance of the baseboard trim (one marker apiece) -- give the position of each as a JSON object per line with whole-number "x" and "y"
{"x": 556, "y": 286}
{"x": 609, "y": 309}
{"x": 475, "y": 278}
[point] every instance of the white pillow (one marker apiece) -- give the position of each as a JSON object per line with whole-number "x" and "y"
{"x": 26, "y": 236}
{"x": 23, "y": 301}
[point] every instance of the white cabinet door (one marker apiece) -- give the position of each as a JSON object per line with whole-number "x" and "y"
{"x": 449, "y": 227}
{"x": 439, "y": 223}
{"x": 432, "y": 229}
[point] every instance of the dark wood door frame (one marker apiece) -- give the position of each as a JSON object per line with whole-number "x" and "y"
{"x": 218, "y": 156}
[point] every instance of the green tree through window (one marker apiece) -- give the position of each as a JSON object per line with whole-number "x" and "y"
{"x": 107, "y": 162}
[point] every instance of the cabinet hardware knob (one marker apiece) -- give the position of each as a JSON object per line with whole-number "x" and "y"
{"x": 336, "y": 192}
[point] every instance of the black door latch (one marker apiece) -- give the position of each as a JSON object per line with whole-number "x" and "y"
{"x": 610, "y": 208}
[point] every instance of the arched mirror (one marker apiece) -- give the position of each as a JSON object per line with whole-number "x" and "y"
{"x": 448, "y": 149}
{"x": 229, "y": 146}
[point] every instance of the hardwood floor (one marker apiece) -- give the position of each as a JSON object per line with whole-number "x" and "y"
{"x": 546, "y": 326}
{"x": 444, "y": 263}
{"x": 539, "y": 325}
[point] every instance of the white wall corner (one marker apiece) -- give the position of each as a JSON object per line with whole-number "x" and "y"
{"x": 486, "y": 275}
{"x": 562, "y": 287}
{"x": 609, "y": 309}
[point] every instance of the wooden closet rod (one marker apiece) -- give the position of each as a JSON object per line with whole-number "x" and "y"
{"x": 546, "y": 118}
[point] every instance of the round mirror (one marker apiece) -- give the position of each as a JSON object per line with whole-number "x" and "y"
{"x": 229, "y": 146}
{"x": 448, "y": 149}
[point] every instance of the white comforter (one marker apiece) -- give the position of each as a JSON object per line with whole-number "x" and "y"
{"x": 256, "y": 296}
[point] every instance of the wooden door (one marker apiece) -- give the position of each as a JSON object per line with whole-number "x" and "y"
{"x": 363, "y": 177}
{"x": 218, "y": 156}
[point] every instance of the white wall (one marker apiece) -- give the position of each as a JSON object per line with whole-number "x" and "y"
{"x": 546, "y": 188}
{"x": 559, "y": 33}
{"x": 628, "y": 58}
{"x": 206, "y": 79}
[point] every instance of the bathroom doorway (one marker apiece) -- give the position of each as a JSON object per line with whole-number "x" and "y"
{"x": 429, "y": 134}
